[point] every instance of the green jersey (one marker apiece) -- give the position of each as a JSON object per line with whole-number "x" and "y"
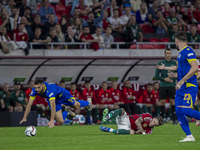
{"x": 135, "y": 30}
{"x": 20, "y": 98}
{"x": 8, "y": 100}
{"x": 193, "y": 39}
{"x": 161, "y": 74}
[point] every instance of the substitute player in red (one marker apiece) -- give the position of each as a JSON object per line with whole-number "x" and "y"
{"x": 134, "y": 124}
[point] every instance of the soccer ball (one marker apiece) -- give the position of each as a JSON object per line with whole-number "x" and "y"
{"x": 30, "y": 131}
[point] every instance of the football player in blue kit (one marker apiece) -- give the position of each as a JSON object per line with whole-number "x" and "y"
{"x": 186, "y": 87}
{"x": 55, "y": 96}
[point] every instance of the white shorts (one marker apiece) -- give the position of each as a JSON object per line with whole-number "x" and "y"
{"x": 123, "y": 122}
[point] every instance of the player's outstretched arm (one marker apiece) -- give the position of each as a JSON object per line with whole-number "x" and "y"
{"x": 162, "y": 67}
{"x": 53, "y": 111}
{"x": 138, "y": 122}
{"x": 28, "y": 108}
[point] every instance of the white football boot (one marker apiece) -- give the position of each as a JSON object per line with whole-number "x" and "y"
{"x": 188, "y": 138}
{"x": 68, "y": 109}
{"x": 89, "y": 107}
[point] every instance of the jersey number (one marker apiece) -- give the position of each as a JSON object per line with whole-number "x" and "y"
{"x": 71, "y": 99}
{"x": 187, "y": 97}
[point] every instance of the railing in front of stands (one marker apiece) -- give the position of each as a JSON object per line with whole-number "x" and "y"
{"x": 84, "y": 44}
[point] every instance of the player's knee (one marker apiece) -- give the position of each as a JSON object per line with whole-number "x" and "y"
{"x": 132, "y": 132}
{"x": 162, "y": 102}
{"x": 77, "y": 105}
{"x": 60, "y": 122}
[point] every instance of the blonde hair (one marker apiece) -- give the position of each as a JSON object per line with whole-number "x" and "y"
{"x": 59, "y": 34}
{"x": 141, "y": 11}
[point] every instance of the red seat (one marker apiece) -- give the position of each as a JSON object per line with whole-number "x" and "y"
{"x": 134, "y": 46}
{"x": 146, "y": 28}
{"x": 164, "y": 40}
{"x": 153, "y": 40}
{"x": 159, "y": 46}
{"x": 60, "y": 9}
{"x": 147, "y": 46}
{"x": 196, "y": 47}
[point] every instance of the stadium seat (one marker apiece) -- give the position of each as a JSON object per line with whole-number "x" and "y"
{"x": 148, "y": 46}
{"x": 134, "y": 46}
{"x": 153, "y": 40}
{"x": 38, "y": 7}
{"x": 196, "y": 47}
{"x": 146, "y": 28}
{"x": 162, "y": 46}
{"x": 164, "y": 40}
{"x": 60, "y": 9}
{"x": 118, "y": 40}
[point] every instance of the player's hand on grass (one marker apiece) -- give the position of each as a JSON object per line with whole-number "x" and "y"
{"x": 179, "y": 84}
{"x": 161, "y": 67}
{"x": 23, "y": 120}
{"x": 50, "y": 124}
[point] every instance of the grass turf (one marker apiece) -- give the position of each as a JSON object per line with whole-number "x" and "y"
{"x": 88, "y": 137}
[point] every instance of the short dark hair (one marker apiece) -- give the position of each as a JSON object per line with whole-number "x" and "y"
{"x": 98, "y": 28}
{"x": 38, "y": 28}
{"x": 158, "y": 10}
{"x": 27, "y": 8}
{"x": 155, "y": 83}
{"x": 181, "y": 36}
{"x": 85, "y": 27}
{"x": 14, "y": 7}
{"x": 73, "y": 83}
{"x": 160, "y": 120}
{"x": 30, "y": 81}
{"x": 108, "y": 27}
{"x": 167, "y": 49}
{"x": 87, "y": 81}
{"x": 193, "y": 25}
{"x": 104, "y": 82}
{"x": 116, "y": 9}
{"x": 51, "y": 14}
{"x": 90, "y": 12}
{"x": 38, "y": 81}
{"x": 62, "y": 82}
{"x": 20, "y": 24}
{"x": 149, "y": 84}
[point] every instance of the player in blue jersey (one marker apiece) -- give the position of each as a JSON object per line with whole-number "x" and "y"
{"x": 186, "y": 87}
{"x": 55, "y": 96}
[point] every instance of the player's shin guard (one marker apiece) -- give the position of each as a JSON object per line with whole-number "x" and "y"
{"x": 122, "y": 131}
{"x": 162, "y": 111}
{"x": 149, "y": 110}
{"x": 83, "y": 103}
{"x": 144, "y": 107}
{"x": 196, "y": 107}
{"x": 64, "y": 114}
{"x": 174, "y": 118}
{"x": 183, "y": 120}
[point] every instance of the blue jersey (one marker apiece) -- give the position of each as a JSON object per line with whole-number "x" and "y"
{"x": 52, "y": 91}
{"x": 184, "y": 58}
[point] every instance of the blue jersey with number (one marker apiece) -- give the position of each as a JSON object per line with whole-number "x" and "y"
{"x": 185, "y": 57}
{"x": 52, "y": 91}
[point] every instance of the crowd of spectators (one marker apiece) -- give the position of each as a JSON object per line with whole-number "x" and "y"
{"x": 93, "y": 21}
{"x": 134, "y": 98}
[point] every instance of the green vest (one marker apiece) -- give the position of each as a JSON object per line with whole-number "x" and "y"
{"x": 7, "y": 100}
{"x": 21, "y": 97}
{"x": 135, "y": 30}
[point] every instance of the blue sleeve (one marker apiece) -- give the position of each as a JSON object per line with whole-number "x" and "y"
{"x": 33, "y": 94}
{"x": 51, "y": 95}
{"x": 42, "y": 12}
{"x": 190, "y": 55}
{"x": 100, "y": 18}
{"x": 138, "y": 17}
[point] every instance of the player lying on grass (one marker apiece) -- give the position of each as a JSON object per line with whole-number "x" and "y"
{"x": 134, "y": 124}
{"x": 56, "y": 96}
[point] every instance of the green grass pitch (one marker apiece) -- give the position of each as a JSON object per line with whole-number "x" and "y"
{"x": 88, "y": 137}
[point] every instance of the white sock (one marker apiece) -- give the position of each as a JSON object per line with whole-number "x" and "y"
{"x": 111, "y": 130}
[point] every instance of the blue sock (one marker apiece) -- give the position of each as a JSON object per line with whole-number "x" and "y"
{"x": 83, "y": 103}
{"x": 183, "y": 120}
{"x": 191, "y": 113}
{"x": 64, "y": 114}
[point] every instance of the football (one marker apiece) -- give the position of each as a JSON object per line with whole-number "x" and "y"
{"x": 30, "y": 131}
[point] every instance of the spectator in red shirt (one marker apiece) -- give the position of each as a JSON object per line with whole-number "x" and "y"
{"x": 116, "y": 96}
{"x": 149, "y": 99}
{"x": 86, "y": 37}
{"x": 167, "y": 8}
{"x": 105, "y": 20}
{"x": 192, "y": 15}
{"x": 112, "y": 7}
{"x": 83, "y": 10}
{"x": 39, "y": 104}
{"x": 88, "y": 93}
{"x": 104, "y": 97}
{"x": 129, "y": 96}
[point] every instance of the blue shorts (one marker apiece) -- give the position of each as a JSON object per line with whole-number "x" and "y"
{"x": 66, "y": 99}
{"x": 186, "y": 97}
